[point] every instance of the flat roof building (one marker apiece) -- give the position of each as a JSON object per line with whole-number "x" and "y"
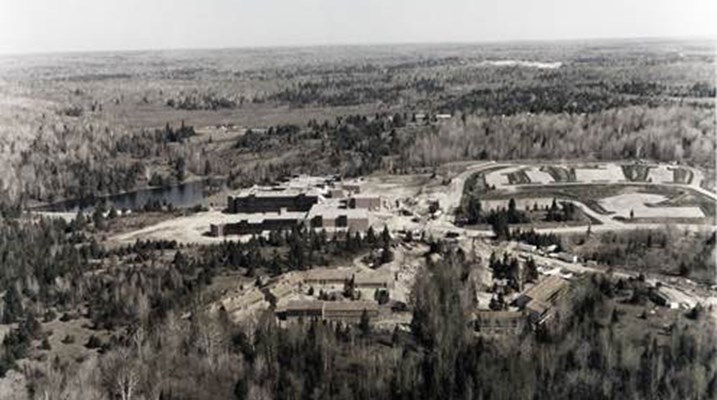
{"x": 500, "y": 322}
{"x": 249, "y": 224}
{"x": 372, "y": 203}
{"x": 315, "y": 202}
{"x": 539, "y": 299}
{"x": 272, "y": 199}
{"x": 330, "y": 215}
{"x": 350, "y": 311}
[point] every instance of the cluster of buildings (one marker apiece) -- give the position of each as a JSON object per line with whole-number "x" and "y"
{"x": 314, "y": 202}
{"x": 288, "y": 293}
{"x": 534, "y": 307}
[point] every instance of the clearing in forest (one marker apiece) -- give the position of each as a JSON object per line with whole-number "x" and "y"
{"x": 644, "y": 205}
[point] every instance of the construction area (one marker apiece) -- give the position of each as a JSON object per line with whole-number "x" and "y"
{"x": 316, "y": 202}
{"x": 420, "y": 208}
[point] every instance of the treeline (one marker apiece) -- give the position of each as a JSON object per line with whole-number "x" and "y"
{"x": 84, "y": 161}
{"x": 588, "y": 352}
{"x": 575, "y": 98}
{"x": 341, "y": 93}
{"x": 557, "y": 99}
{"x": 207, "y": 101}
{"x": 666, "y": 251}
{"x": 296, "y": 249}
{"x": 664, "y": 134}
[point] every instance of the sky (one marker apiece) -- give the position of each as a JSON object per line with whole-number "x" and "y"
{"x": 39, "y": 26}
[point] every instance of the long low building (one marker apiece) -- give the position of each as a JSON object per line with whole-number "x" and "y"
{"x": 539, "y": 300}
{"x": 348, "y": 311}
{"x": 257, "y": 223}
{"x": 330, "y": 215}
{"x": 341, "y": 276}
{"x": 500, "y": 322}
{"x": 372, "y": 203}
{"x": 260, "y": 200}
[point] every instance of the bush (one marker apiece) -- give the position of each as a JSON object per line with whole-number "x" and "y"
{"x": 45, "y": 345}
{"x": 93, "y": 342}
{"x": 49, "y": 316}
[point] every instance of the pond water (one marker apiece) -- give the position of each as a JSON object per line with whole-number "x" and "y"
{"x": 180, "y": 196}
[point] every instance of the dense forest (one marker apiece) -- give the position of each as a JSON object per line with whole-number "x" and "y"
{"x": 668, "y": 251}
{"x": 636, "y": 101}
{"x": 675, "y": 133}
{"x": 135, "y": 316}
{"x": 589, "y": 353}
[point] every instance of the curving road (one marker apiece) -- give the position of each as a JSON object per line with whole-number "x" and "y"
{"x": 444, "y": 223}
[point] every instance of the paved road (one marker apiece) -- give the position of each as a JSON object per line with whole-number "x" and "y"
{"x": 444, "y": 223}
{"x": 696, "y": 188}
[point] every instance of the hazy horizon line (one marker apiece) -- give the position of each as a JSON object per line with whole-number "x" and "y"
{"x": 370, "y": 44}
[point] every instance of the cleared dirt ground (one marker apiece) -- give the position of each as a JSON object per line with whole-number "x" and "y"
{"x": 644, "y": 205}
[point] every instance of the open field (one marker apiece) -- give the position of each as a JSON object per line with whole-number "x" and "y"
{"x": 641, "y": 205}
{"x": 537, "y": 176}
{"x": 187, "y": 229}
{"x": 607, "y": 173}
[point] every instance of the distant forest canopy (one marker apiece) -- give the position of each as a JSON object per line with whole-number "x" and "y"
{"x": 77, "y": 127}
{"x": 672, "y": 133}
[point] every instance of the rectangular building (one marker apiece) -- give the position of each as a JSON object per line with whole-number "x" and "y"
{"x": 330, "y": 216}
{"x": 258, "y": 223}
{"x": 540, "y": 299}
{"x": 372, "y": 203}
{"x": 347, "y": 311}
{"x": 262, "y": 200}
{"x": 500, "y": 322}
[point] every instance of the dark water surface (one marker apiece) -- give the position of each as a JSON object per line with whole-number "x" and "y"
{"x": 180, "y": 196}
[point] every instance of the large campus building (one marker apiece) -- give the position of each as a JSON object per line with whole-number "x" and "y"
{"x": 315, "y": 202}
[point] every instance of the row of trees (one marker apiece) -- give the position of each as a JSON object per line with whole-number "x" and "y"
{"x": 666, "y": 133}
{"x": 588, "y": 353}
{"x": 667, "y": 251}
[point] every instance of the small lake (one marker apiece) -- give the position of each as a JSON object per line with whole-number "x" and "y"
{"x": 184, "y": 195}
